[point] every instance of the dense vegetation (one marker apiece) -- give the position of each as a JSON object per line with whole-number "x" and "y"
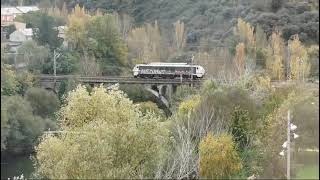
{"x": 233, "y": 126}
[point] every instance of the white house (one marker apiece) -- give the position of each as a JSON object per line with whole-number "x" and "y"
{"x": 18, "y": 37}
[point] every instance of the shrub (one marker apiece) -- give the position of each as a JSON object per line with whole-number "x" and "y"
{"x": 218, "y": 157}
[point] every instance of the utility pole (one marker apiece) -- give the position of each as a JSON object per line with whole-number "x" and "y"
{"x": 288, "y": 145}
{"x": 55, "y": 56}
{"x": 54, "y": 66}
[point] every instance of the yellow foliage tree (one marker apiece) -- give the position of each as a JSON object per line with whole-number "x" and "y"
{"x": 179, "y": 35}
{"x": 188, "y": 106}
{"x": 240, "y": 59}
{"x": 299, "y": 60}
{"x": 275, "y": 56}
{"x": 105, "y": 137}
{"x": 218, "y": 157}
{"x": 246, "y": 35}
{"x": 78, "y": 21}
{"x": 145, "y": 42}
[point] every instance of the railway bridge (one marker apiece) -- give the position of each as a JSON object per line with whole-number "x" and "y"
{"x": 162, "y": 89}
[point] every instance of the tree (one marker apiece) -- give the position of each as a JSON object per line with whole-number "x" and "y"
{"x": 240, "y": 59}
{"x": 275, "y": 56}
{"x": 98, "y": 41}
{"x": 241, "y": 128}
{"x": 182, "y": 93}
{"x": 245, "y": 33}
{"x": 218, "y": 157}
{"x": 4, "y": 128}
{"x": 26, "y": 80}
{"x": 137, "y": 93}
{"x": 105, "y": 137}
{"x": 188, "y": 106}
{"x": 261, "y": 37}
{"x": 25, "y": 128}
{"x": 76, "y": 33}
{"x": 9, "y": 83}
{"x": 303, "y": 102}
{"x": 106, "y": 44}
{"x": 145, "y": 43}
{"x": 43, "y": 102}
{"x": 125, "y": 24}
{"x": 34, "y": 56}
{"x": 299, "y": 60}
{"x": 146, "y": 107}
{"x": 313, "y": 53}
{"x": 45, "y": 33}
{"x": 179, "y": 35}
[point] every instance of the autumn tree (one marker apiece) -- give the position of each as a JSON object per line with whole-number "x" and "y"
{"x": 98, "y": 40}
{"x": 106, "y": 136}
{"x": 299, "y": 60}
{"x": 180, "y": 38}
{"x": 218, "y": 157}
{"x": 76, "y": 33}
{"x": 145, "y": 43}
{"x": 246, "y": 35}
{"x": 240, "y": 58}
{"x": 275, "y": 56}
{"x": 189, "y": 105}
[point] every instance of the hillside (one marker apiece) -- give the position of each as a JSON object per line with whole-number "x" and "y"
{"x": 214, "y": 20}
{"x": 211, "y": 20}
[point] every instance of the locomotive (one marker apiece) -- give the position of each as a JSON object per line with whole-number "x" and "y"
{"x": 168, "y": 70}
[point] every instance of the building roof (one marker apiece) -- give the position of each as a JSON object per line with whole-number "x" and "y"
{"x": 18, "y": 10}
{"x": 10, "y": 11}
{"x": 26, "y": 9}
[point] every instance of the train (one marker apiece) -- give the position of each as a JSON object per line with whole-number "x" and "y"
{"x": 168, "y": 70}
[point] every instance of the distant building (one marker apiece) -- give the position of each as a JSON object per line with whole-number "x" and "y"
{"x": 8, "y": 14}
{"x": 26, "y": 9}
{"x": 18, "y": 37}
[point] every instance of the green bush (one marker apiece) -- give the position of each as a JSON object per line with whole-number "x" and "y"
{"x": 24, "y": 126}
{"x": 43, "y": 102}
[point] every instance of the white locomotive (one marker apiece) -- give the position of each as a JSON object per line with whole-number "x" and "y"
{"x": 168, "y": 70}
